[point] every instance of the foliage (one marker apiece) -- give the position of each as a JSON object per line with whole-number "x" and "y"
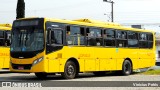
{"x": 152, "y": 72}
{"x": 20, "y": 9}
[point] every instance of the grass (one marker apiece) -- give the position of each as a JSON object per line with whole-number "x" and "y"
{"x": 151, "y": 72}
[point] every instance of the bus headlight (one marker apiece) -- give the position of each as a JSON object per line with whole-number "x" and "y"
{"x": 37, "y": 61}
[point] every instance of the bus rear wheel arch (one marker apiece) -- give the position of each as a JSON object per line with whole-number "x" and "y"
{"x": 71, "y": 69}
{"x": 127, "y": 67}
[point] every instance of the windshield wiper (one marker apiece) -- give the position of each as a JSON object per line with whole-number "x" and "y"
{"x": 20, "y": 39}
{"x": 26, "y": 39}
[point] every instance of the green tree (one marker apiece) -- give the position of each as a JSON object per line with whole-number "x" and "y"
{"x": 20, "y": 9}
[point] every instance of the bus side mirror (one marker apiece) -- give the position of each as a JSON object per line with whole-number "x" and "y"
{"x": 49, "y": 29}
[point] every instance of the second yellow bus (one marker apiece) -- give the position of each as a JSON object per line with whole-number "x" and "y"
{"x": 5, "y": 36}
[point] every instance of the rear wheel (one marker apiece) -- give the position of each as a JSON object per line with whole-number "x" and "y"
{"x": 70, "y": 70}
{"x": 41, "y": 75}
{"x": 127, "y": 67}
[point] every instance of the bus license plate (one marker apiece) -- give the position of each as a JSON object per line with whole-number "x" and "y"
{"x": 21, "y": 67}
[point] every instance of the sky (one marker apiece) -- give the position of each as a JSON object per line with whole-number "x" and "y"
{"x": 125, "y": 11}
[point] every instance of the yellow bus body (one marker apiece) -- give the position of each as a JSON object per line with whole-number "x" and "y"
{"x": 4, "y": 50}
{"x": 89, "y": 58}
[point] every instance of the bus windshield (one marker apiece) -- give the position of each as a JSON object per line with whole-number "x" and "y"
{"x": 29, "y": 39}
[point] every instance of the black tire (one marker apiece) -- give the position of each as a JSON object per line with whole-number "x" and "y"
{"x": 101, "y": 73}
{"x": 41, "y": 75}
{"x": 70, "y": 70}
{"x": 126, "y": 68}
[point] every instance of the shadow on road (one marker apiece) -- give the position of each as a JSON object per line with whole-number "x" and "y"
{"x": 5, "y": 72}
{"x": 9, "y": 72}
{"x": 32, "y": 77}
{"x": 6, "y": 75}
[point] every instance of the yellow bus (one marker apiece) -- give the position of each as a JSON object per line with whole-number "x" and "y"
{"x": 49, "y": 46}
{"x": 5, "y": 36}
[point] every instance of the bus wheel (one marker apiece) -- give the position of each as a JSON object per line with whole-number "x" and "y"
{"x": 70, "y": 70}
{"x": 101, "y": 73}
{"x": 41, "y": 75}
{"x": 127, "y": 67}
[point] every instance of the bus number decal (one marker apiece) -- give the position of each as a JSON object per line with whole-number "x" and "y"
{"x": 4, "y": 54}
{"x": 84, "y": 55}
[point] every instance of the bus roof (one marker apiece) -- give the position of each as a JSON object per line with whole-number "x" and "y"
{"x": 95, "y": 23}
{"x": 92, "y": 23}
{"x": 6, "y": 26}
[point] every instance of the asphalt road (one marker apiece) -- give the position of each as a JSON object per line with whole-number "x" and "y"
{"x": 88, "y": 77}
{"x": 7, "y": 76}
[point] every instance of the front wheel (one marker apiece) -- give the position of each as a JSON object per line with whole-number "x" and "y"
{"x": 127, "y": 67}
{"x": 70, "y": 70}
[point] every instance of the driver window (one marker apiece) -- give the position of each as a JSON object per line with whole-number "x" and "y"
{"x": 56, "y": 37}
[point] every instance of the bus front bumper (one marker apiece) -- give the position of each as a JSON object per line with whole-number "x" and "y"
{"x": 30, "y": 68}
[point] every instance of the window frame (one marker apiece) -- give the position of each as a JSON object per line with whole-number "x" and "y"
{"x": 95, "y": 38}
{"x": 122, "y": 39}
{"x": 3, "y": 31}
{"x": 55, "y": 38}
{"x": 79, "y": 26}
{"x": 111, "y": 39}
{"x": 5, "y": 39}
{"x": 63, "y": 31}
{"x": 143, "y": 41}
{"x": 137, "y": 38}
{"x": 103, "y": 38}
{"x": 150, "y": 41}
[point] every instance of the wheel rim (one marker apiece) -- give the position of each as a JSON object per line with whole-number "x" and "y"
{"x": 70, "y": 70}
{"x": 127, "y": 67}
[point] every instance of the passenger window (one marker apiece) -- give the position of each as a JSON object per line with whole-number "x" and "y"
{"x": 150, "y": 37}
{"x": 109, "y": 37}
{"x": 121, "y": 34}
{"x": 143, "y": 43}
{"x": 132, "y": 39}
{"x": 132, "y": 35}
{"x": 150, "y": 40}
{"x": 143, "y": 36}
{"x": 75, "y": 35}
{"x": 5, "y": 38}
{"x": 2, "y": 38}
{"x": 1, "y": 34}
{"x": 121, "y": 37}
{"x": 94, "y": 37}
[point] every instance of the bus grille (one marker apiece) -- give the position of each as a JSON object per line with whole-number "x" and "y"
{"x": 25, "y": 66}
